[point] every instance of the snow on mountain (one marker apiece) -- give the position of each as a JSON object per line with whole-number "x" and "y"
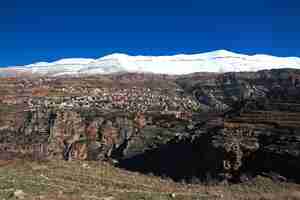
{"x": 215, "y": 61}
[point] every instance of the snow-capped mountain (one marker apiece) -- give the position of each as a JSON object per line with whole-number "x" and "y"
{"x": 215, "y": 61}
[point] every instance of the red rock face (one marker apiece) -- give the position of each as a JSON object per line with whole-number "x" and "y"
{"x": 92, "y": 131}
{"x": 79, "y": 151}
{"x": 67, "y": 129}
{"x": 140, "y": 120}
{"x": 109, "y": 134}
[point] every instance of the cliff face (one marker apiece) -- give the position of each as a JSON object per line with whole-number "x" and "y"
{"x": 260, "y": 129}
{"x": 229, "y": 127}
{"x": 89, "y": 134}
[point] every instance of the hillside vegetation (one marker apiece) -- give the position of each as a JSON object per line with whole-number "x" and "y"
{"x": 59, "y": 180}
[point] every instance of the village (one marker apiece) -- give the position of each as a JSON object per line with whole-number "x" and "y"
{"x": 125, "y": 99}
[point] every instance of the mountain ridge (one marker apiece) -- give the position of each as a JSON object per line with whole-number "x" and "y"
{"x": 213, "y": 61}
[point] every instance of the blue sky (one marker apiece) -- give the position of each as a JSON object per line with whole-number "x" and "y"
{"x": 36, "y": 30}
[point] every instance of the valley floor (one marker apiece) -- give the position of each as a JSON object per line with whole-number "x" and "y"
{"x": 74, "y": 180}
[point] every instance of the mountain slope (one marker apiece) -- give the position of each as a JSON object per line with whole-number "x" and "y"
{"x": 215, "y": 61}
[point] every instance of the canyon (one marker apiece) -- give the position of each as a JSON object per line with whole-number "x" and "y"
{"x": 220, "y": 127}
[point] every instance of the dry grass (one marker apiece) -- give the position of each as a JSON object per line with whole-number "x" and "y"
{"x": 59, "y": 180}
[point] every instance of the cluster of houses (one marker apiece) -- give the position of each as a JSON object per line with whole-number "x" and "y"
{"x": 135, "y": 99}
